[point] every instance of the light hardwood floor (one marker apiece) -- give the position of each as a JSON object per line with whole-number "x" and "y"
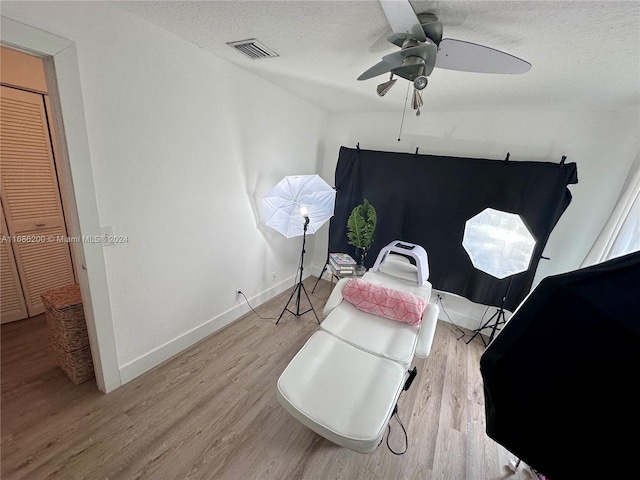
{"x": 211, "y": 413}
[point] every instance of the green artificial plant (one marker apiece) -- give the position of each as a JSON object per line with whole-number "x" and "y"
{"x": 361, "y": 227}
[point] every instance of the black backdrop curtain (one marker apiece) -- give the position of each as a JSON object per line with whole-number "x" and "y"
{"x": 426, "y": 199}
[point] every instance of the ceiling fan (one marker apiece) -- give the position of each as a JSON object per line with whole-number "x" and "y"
{"x": 422, "y": 48}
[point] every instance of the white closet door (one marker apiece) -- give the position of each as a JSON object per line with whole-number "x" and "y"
{"x": 12, "y": 304}
{"x": 31, "y": 197}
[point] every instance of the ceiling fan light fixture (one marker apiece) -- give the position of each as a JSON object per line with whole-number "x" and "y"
{"x": 383, "y": 88}
{"x": 420, "y": 82}
{"x": 416, "y": 101}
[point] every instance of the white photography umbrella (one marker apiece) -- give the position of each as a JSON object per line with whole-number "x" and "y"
{"x": 283, "y": 202}
{"x": 296, "y": 205}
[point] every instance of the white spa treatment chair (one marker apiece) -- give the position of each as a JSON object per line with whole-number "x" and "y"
{"x": 345, "y": 382}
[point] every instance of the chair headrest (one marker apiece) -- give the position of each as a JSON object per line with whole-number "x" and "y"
{"x": 390, "y": 264}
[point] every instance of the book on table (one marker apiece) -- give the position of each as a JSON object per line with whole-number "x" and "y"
{"x": 342, "y": 262}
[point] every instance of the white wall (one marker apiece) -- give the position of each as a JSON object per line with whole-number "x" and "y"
{"x": 183, "y": 147}
{"x": 603, "y": 144}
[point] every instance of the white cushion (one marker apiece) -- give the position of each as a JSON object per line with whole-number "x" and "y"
{"x": 380, "y": 336}
{"x": 400, "y": 269}
{"x": 335, "y": 298}
{"x": 427, "y": 330}
{"x": 341, "y": 392}
{"x": 383, "y": 337}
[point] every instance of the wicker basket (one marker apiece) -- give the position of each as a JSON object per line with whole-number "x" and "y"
{"x": 68, "y": 331}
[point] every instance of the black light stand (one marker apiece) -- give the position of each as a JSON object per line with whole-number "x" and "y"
{"x": 497, "y": 318}
{"x": 299, "y": 288}
{"x": 324, "y": 269}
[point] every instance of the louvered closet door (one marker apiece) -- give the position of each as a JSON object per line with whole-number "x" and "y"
{"x": 31, "y": 197}
{"x": 13, "y": 306}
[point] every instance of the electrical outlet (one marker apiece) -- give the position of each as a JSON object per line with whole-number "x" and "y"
{"x": 273, "y": 275}
{"x": 237, "y": 293}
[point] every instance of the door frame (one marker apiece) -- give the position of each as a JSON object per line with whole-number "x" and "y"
{"x": 77, "y": 186}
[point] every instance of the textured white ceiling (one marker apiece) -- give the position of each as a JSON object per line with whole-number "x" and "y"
{"x": 585, "y": 55}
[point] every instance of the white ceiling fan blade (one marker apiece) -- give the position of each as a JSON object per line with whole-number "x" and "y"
{"x": 378, "y": 69}
{"x": 403, "y": 19}
{"x": 470, "y": 57}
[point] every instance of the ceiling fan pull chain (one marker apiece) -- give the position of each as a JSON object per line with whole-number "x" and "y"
{"x": 403, "y": 111}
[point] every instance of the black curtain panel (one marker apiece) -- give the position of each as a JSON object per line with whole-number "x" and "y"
{"x": 560, "y": 379}
{"x": 426, "y": 199}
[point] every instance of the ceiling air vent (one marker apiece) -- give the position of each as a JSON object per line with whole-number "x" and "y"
{"x": 253, "y": 48}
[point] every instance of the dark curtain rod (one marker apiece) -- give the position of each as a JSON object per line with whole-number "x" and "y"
{"x": 561, "y": 164}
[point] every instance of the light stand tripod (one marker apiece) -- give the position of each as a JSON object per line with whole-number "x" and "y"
{"x": 324, "y": 269}
{"x": 497, "y": 318}
{"x": 299, "y": 288}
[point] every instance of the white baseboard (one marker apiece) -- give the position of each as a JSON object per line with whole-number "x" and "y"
{"x": 155, "y": 357}
{"x": 316, "y": 271}
{"x": 464, "y": 313}
{"x": 459, "y": 319}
